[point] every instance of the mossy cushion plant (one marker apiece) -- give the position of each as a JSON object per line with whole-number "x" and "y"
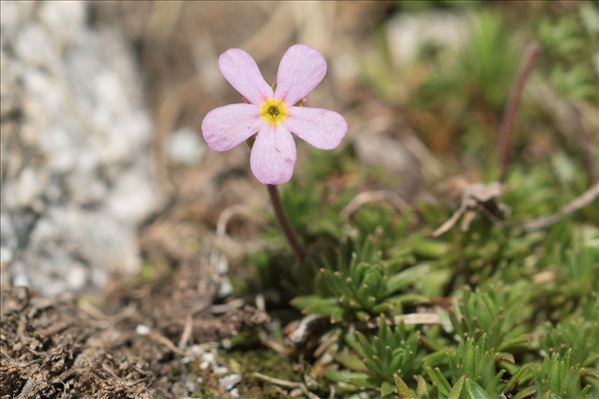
{"x": 486, "y": 311}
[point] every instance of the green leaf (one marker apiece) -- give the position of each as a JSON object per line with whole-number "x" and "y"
{"x": 358, "y": 379}
{"x": 435, "y": 358}
{"x": 406, "y": 277}
{"x": 421, "y": 386}
{"x": 350, "y": 361}
{"x": 386, "y": 389}
{"x": 402, "y": 388}
{"x": 505, "y": 357}
{"x": 524, "y": 373}
{"x": 439, "y": 380}
{"x": 475, "y": 391}
{"x": 525, "y": 393}
{"x": 428, "y": 248}
{"x": 316, "y": 305}
{"x": 457, "y": 389}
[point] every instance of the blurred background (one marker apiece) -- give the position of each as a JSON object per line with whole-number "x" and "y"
{"x": 102, "y": 103}
{"x": 167, "y": 252}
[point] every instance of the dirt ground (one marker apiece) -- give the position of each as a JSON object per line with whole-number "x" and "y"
{"x": 70, "y": 349}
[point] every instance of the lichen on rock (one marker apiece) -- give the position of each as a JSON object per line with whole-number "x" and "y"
{"x": 76, "y": 169}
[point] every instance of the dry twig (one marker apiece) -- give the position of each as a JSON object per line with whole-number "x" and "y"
{"x": 417, "y": 318}
{"x": 410, "y": 319}
{"x": 543, "y": 222}
{"x": 286, "y": 384}
{"x": 161, "y": 339}
{"x": 274, "y": 345}
{"x": 234, "y": 210}
{"x": 481, "y": 197}
{"x": 227, "y": 244}
{"x": 367, "y": 197}
{"x": 186, "y": 333}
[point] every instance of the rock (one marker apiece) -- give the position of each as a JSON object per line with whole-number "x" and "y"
{"x": 185, "y": 147}
{"x": 229, "y": 382}
{"x": 75, "y": 167}
{"x": 385, "y": 152}
{"x": 408, "y": 33}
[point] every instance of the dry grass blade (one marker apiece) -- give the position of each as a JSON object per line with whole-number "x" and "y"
{"x": 161, "y": 339}
{"x": 187, "y": 331}
{"x": 410, "y": 319}
{"x": 367, "y": 197}
{"x": 449, "y": 223}
{"x": 480, "y": 197}
{"x": 543, "y": 222}
{"x": 232, "y": 211}
{"x": 286, "y": 384}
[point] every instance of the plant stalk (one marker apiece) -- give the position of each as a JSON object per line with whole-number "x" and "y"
{"x": 275, "y": 199}
{"x": 529, "y": 59}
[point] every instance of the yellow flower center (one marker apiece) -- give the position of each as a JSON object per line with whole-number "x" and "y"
{"x": 273, "y": 111}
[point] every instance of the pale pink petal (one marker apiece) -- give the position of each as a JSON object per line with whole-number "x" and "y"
{"x": 241, "y": 71}
{"x": 301, "y": 70}
{"x": 322, "y": 128}
{"x": 273, "y": 155}
{"x": 225, "y": 127}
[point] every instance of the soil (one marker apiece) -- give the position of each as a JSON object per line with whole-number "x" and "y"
{"x": 66, "y": 348}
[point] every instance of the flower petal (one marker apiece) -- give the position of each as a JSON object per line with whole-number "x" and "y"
{"x": 321, "y": 128}
{"x": 225, "y": 127}
{"x": 273, "y": 155}
{"x": 301, "y": 70}
{"x": 241, "y": 71}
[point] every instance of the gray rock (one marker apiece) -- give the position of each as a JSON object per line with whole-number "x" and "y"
{"x": 185, "y": 147}
{"x": 75, "y": 166}
{"x": 388, "y": 153}
{"x": 408, "y": 33}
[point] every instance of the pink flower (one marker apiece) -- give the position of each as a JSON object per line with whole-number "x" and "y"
{"x": 273, "y": 115}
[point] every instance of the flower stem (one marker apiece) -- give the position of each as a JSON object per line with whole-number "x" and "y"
{"x": 275, "y": 199}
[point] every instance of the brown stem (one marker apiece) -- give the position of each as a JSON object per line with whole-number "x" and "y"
{"x": 275, "y": 199}
{"x": 507, "y": 122}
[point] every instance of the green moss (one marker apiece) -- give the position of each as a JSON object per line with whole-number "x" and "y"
{"x": 264, "y": 361}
